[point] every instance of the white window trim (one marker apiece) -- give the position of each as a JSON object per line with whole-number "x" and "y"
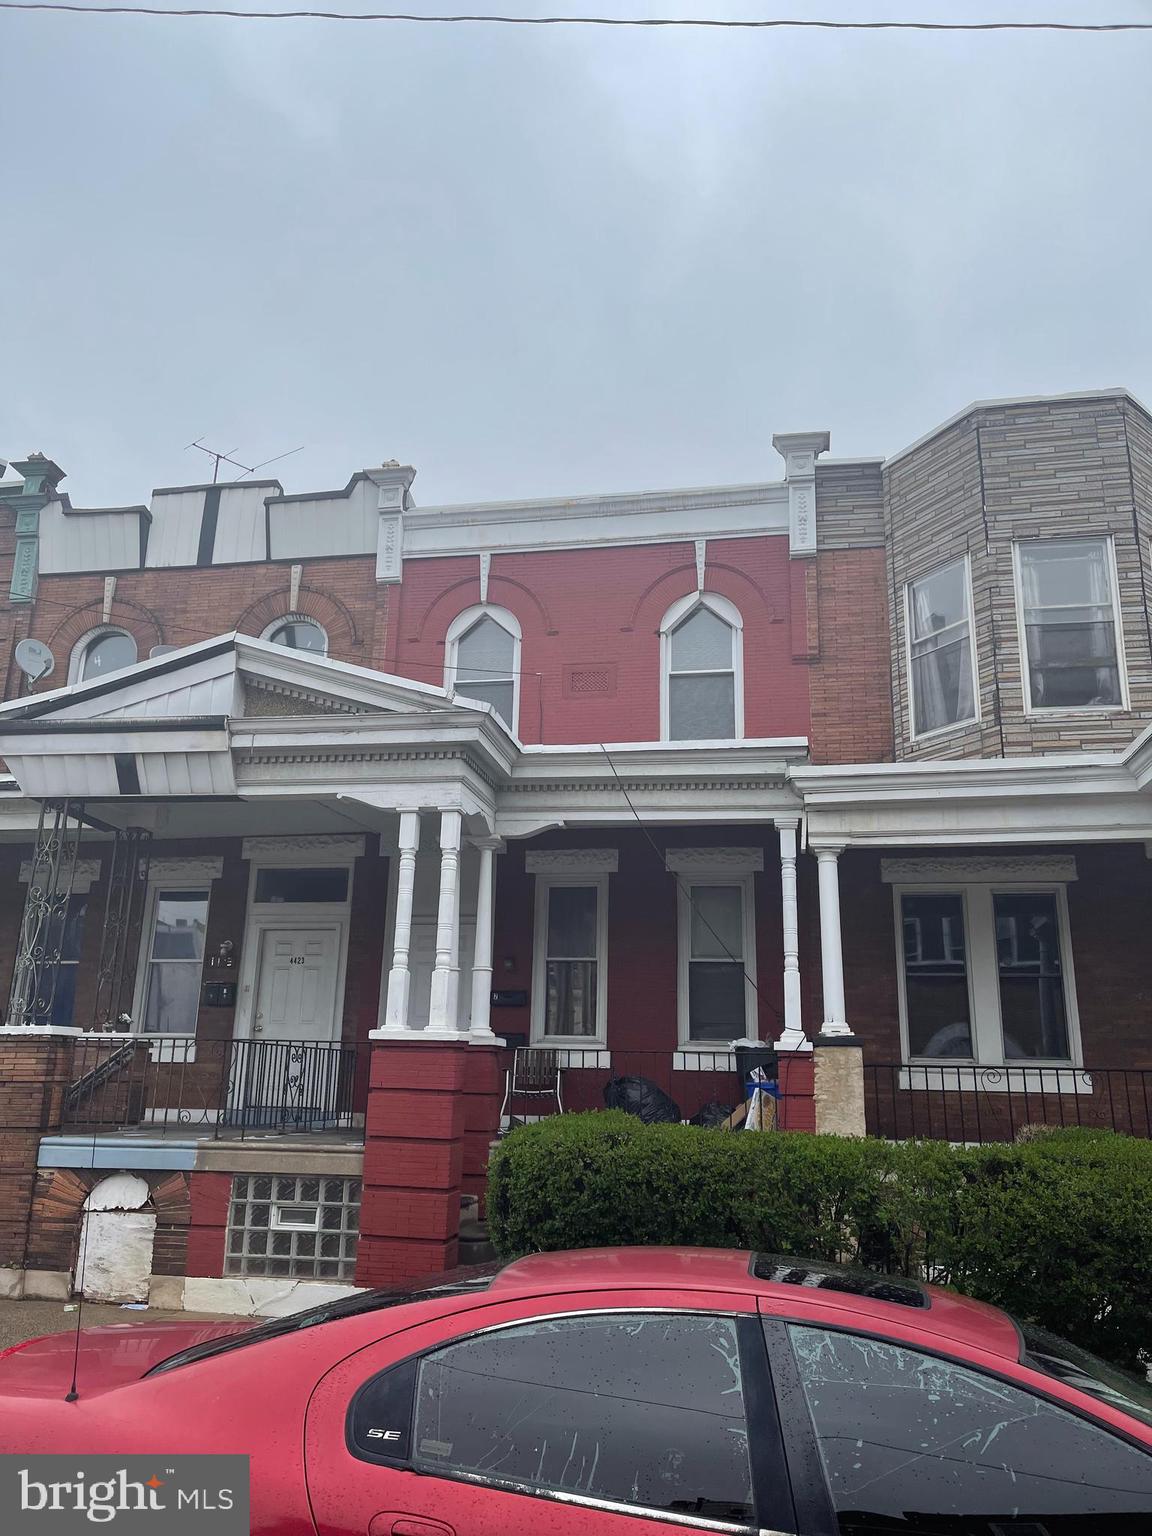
{"x": 460, "y": 626}
{"x": 974, "y": 717}
{"x": 80, "y": 650}
{"x": 685, "y": 884}
{"x": 1038, "y": 712}
{"x": 544, "y": 884}
{"x": 169, "y": 879}
{"x": 295, "y": 618}
{"x": 730, "y": 614}
{"x": 983, "y": 975}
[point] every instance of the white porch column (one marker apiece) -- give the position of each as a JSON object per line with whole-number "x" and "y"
{"x": 400, "y": 976}
{"x": 443, "y": 1007}
{"x": 831, "y": 948}
{"x": 481, "y": 1030}
{"x": 793, "y": 1037}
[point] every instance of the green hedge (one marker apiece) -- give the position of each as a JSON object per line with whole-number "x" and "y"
{"x": 1056, "y": 1228}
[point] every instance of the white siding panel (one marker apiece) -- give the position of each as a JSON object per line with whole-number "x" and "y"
{"x": 340, "y": 525}
{"x": 240, "y": 528}
{"x": 175, "y": 535}
{"x": 88, "y": 541}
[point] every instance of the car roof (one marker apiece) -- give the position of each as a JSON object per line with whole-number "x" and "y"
{"x": 788, "y": 1286}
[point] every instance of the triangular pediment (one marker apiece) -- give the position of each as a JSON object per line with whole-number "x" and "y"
{"x": 235, "y": 677}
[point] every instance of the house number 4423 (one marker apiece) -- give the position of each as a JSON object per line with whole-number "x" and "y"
{"x": 296, "y": 960}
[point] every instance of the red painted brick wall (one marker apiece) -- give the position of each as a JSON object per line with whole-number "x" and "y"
{"x": 591, "y": 607}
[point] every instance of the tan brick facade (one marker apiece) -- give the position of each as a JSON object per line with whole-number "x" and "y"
{"x": 1034, "y": 470}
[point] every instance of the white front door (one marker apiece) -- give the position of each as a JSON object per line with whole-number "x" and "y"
{"x": 290, "y": 1070}
{"x": 296, "y": 984}
{"x": 422, "y": 961}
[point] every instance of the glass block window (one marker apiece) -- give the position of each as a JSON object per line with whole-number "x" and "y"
{"x": 293, "y": 1227}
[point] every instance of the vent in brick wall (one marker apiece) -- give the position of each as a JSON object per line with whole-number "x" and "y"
{"x": 590, "y": 682}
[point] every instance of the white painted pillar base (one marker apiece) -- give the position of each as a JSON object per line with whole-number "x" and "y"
{"x": 793, "y": 1037}
{"x": 400, "y": 976}
{"x": 831, "y": 945}
{"x": 480, "y": 1032}
{"x": 445, "y": 995}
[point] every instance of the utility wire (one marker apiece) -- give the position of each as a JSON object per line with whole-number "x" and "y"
{"x": 687, "y": 891}
{"x": 717, "y": 23}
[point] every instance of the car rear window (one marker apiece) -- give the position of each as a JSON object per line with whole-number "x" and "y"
{"x": 1075, "y": 1367}
{"x": 330, "y": 1312}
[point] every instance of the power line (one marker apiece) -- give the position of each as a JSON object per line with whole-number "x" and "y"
{"x": 683, "y": 887}
{"x": 717, "y": 23}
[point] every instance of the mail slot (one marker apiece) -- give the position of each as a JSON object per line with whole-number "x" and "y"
{"x": 218, "y": 994}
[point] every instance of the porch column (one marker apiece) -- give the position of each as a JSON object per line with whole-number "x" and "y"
{"x": 481, "y": 1030}
{"x": 831, "y": 949}
{"x": 443, "y": 1007}
{"x": 400, "y": 976}
{"x": 793, "y": 1037}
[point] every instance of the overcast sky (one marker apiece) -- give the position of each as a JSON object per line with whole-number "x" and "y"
{"x": 549, "y": 261}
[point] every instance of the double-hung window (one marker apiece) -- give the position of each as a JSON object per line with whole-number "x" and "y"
{"x": 985, "y": 973}
{"x": 175, "y": 959}
{"x": 939, "y": 620}
{"x": 702, "y": 670}
{"x": 717, "y": 944}
{"x": 570, "y": 970}
{"x": 483, "y": 645}
{"x": 1071, "y": 638}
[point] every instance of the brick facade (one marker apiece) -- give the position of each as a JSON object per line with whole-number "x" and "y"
{"x": 1038, "y": 469}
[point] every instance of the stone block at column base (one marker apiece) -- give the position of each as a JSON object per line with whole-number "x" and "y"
{"x": 795, "y": 1109}
{"x": 838, "y": 1085}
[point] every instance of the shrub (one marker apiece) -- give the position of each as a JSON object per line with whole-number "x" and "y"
{"x": 1056, "y": 1228}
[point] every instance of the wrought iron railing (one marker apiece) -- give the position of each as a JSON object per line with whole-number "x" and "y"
{"x": 219, "y": 1088}
{"x": 973, "y": 1104}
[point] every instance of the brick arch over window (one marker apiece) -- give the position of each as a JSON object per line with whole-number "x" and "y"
{"x": 133, "y": 618}
{"x": 721, "y": 579}
{"x": 333, "y": 617}
{"x": 501, "y": 592}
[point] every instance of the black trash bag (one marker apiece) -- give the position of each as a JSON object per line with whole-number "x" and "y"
{"x": 711, "y": 1115}
{"x": 637, "y": 1096}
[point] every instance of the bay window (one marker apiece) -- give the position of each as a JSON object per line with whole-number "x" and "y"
{"x": 940, "y": 657}
{"x": 1066, "y": 589}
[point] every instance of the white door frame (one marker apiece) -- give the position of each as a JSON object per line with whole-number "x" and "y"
{"x": 262, "y": 923}
{"x": 259, "y": 917}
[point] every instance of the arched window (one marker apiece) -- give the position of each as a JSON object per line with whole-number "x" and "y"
{"x": 484, "y": 660}
{"x": 103, "y": 651}
{"x": 298, "y": 634}
{"x": 702, "y": 670}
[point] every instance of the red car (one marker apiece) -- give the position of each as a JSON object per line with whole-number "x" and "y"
{"x": 616, "y": 1391}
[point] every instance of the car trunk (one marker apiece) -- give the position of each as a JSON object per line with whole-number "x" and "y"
{"x": 107, "y": 1356}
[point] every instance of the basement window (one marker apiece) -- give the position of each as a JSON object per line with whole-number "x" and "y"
{"x": 293, "y": 1227}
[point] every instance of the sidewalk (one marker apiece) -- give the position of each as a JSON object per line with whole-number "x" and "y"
{"x": 21, "y": 1320}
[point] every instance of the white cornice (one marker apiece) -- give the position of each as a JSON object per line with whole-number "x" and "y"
{"x": 204, "y": 867}
{"x": 1023, "y": 869}
{"x": 572, "y": 861}
{"x": 731, "y": 860}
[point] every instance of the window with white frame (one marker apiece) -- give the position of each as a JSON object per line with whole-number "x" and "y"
{"x": 570, "y": 962}
{"x": 1068, "y": 608}
{"x": 985, "y": 973}
{"x": 702, "y": 683}
{"x": 103, "y": 651}
{"x": 483, "y": 660}
{"x": 717, "y": 1000}
{"x": 297, "y": 633}
{"x": 940, "y": 656}
{"x": 178, "y": 922}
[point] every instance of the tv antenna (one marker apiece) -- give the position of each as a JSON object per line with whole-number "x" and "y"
{"x": 219, "y": 458}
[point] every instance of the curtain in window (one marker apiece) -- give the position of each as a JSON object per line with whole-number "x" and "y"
{"x": 941, "y": 652}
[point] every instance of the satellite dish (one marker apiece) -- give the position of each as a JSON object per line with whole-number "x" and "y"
{"x": 34, "y": 657}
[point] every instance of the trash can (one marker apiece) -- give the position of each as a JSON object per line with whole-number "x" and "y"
{"x": 749, "y": 1059}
